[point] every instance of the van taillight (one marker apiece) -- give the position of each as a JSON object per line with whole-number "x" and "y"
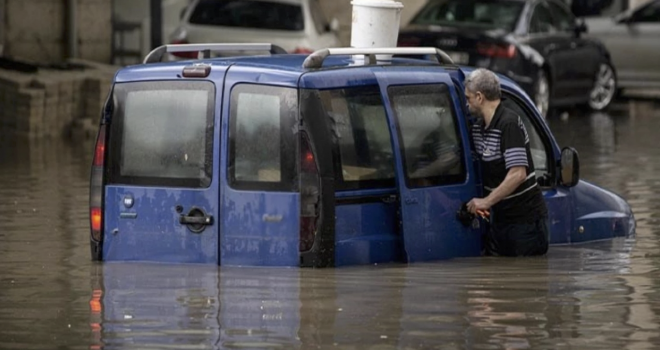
{"x": 309, "y": 195}
{"x": 96, "y": 187}
{"x": 96, "y": 219}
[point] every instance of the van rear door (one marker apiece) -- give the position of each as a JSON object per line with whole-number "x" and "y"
{"x": 161, "y": 199}
{"x": 434, "y": 169}
{"x": 260, "y": 202}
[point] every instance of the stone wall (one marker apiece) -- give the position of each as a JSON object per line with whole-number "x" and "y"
{"x": 50, "y": 103}
{"x": 35, "y": 30}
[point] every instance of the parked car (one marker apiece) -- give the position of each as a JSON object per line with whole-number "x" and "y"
{"x": 309, "y": 160}
{"x": 633, "y": 39}
{"x": 537, "y": 43}
{"x": 298, "y": 26}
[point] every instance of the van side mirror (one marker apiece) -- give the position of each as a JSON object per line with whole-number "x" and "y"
{"x": 570, "y": 167}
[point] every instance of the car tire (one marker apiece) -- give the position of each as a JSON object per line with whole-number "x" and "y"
{"x": 605, "y": 88}
{"x": 541, "y": 90}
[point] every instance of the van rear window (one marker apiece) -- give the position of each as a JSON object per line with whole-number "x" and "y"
{"x": 162, "y": 134}
{"x": 262, "y": 138}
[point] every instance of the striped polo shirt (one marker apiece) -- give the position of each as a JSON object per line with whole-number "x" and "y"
{"x": 502, "y": 145}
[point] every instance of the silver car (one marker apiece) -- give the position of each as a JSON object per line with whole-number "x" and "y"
{"x": 298, "y": 26}
{"x": 633, "y": 40}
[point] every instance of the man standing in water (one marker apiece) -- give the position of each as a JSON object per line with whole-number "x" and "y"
{"x": 518, "y": 225}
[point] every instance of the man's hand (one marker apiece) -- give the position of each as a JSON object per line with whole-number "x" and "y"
{"x": 478, "y": 204}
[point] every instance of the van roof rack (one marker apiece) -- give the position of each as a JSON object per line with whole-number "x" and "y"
{"x": 315, "y": 60}
{"x": 156, "y": 55}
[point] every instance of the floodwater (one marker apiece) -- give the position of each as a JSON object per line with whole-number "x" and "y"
{"x": 602, "y": 295}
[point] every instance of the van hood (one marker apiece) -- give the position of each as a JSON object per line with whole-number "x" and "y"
{"x": 595, "y": 204}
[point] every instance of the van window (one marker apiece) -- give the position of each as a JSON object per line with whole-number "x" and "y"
{"x": 538, "y": 147}
{"x": 429, "y": 134}
{"x": 162, "y": 134}
{"x": 262, "y": 138}
{"x": 363, "y": 137}
{"x": 249, "y": 14}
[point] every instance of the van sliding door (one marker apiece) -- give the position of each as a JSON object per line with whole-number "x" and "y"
{"x": 435, "y": 174}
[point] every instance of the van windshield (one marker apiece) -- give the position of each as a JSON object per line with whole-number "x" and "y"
{"x": 249, "y": 14}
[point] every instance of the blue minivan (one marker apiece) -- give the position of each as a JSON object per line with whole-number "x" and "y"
{"x": 309, "y": 160}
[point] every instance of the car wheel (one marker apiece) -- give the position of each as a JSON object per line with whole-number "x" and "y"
{"x": 604, "y": 88}
{"x": 542, "y": 93}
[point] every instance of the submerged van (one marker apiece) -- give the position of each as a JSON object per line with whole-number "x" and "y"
{"x": 310, "y": 160}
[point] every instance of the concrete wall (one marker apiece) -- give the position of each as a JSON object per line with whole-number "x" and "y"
{"x": 35, "y": 30}
{"x": 95, "y": 30}
{"x": 53, "y": 102}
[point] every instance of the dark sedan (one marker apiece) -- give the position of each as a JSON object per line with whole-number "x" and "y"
{"x": 537, "y": 43}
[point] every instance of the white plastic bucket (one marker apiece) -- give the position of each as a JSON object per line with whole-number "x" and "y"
{"x": 375, "y": 24}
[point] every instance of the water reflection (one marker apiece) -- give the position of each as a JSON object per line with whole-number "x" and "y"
{"x": 587, "y": 298}
{"x": 601, "y": 295}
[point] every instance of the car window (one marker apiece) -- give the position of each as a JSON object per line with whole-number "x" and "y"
{"x": 318, "y": 16}
{"x": 249, "y": 14}
{"x": 648, "y": 14}
{"x": 160, "y": 134}
{"x": 562, "y": 19}
{"x": 363, "y": 137}
{"x": 541, "y": 21}
{"x": 541, "y": 154}
{"x": 430, "y": 139}
{"x": 481, "y": 13}
{"x": 262, "y": 142}
{"x": 600, "y": 8}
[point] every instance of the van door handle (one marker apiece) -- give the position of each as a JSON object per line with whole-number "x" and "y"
{"x": 195, "y": 220}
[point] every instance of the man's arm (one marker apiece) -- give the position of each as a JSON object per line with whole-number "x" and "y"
{"x": 514, "y": 178}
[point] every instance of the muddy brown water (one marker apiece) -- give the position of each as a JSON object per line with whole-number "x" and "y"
{"x": 603, "y": 295}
